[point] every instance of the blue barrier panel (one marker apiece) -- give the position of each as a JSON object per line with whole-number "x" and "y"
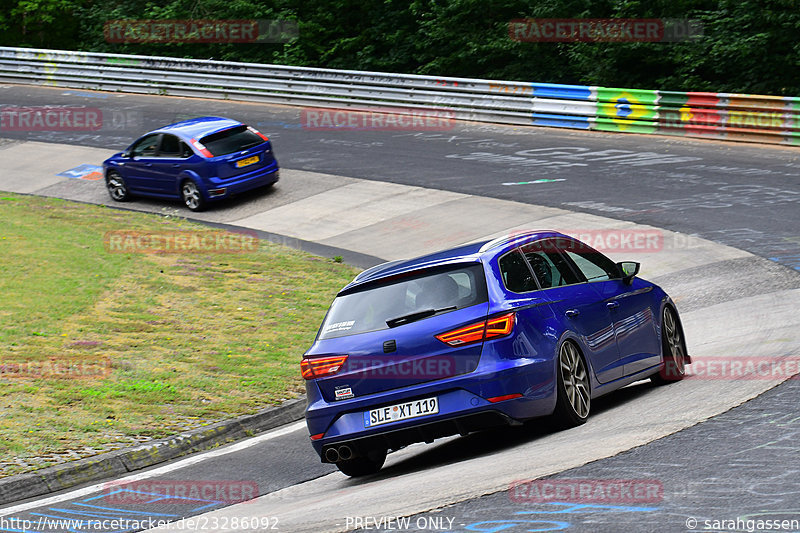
{"x": 561, "y": 121}
{"x": 555, "y": 90}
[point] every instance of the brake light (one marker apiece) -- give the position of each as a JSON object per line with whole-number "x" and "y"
{"x": 491, "y": 328}
{"x": 318, "y": 367}
{"x": 317, "y": 436}
{"x": 258, "y": 133}
{"x": 201, "y": 148}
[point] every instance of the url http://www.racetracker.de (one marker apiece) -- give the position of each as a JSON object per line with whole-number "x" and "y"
{"x": 199, "y": 523}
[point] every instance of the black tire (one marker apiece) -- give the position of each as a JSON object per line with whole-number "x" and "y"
{"x": 192, "y": 196}
{"x": 573, "y": 399}
{"x": 673, "y": 350}
{"x": 117, "y": 188}
{"x": 363, "y": 465}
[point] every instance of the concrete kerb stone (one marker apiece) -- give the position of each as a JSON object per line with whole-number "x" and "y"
{"x": 120, "y": 462}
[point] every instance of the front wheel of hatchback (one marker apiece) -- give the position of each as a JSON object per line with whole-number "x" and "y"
{"x": 363, "y": 465}
{"x": 117, "y": 188}
{"x": 573, "y": 397}
{"x": 192, "y": 197}
{"x": 673, "y": 348}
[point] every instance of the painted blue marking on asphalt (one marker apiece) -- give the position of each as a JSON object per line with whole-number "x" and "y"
{"x": 84, "y": 513}
{"x": 157, "y": 497}
{"x": 501, "y": 525}
{"x": 126, "y": 510}
{"x": 793, "y": 261}
{"x": 80, "y": 171}
{"x": 81, "y": 93}
{"x": 590, "y": 507}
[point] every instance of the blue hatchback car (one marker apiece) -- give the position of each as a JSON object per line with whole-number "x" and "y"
{"x": 493, "y": 333}
{"x": 198, "y": 161}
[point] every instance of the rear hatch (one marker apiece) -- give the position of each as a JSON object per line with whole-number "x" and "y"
{"x": 388, "y": 330}
{"x": 238, "y": 150}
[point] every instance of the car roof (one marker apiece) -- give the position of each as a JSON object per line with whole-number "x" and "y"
{"x": 467, "y": 253}
{"x": 195, "y": 128}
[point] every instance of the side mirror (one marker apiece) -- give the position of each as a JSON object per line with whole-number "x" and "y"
{"x": 126, "y": 154}
{"x": 628, "y": 269}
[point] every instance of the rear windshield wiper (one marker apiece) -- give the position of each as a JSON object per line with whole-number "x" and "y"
{"x": 416, "y": 315}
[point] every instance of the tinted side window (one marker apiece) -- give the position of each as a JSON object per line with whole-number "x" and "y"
{"x": 185, "y": 150}
{"x": 170, "y": 146}
{"x": 517, "y": 276}
{"x": 145, "y": 147}
{"x": 594, "y": 265}
{"x": 548, "y": 264}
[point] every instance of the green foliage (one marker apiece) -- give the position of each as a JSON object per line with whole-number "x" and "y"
{"x": 748, "y": 45}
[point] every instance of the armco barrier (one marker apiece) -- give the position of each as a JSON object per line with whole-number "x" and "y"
{"x": 740, "y": 117}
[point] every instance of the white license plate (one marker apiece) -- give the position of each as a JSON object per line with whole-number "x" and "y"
{"x": 401, "y": 411}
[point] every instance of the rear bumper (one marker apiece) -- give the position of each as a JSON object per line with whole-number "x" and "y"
{"x": 428, "y": 432}
{"x": 246, "y": 182}
{"x": 463, "y": 408}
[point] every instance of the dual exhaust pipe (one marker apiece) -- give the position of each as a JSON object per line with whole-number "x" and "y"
{"x": 340, "y": 453}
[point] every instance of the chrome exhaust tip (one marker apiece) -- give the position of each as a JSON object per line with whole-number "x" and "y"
{"x": 345, "y": 453}
{"x": 331, "y": 455}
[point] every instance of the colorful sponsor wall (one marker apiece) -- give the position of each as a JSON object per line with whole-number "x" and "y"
{"x": 739, "y": 117}
{"x": 736, "y": 117}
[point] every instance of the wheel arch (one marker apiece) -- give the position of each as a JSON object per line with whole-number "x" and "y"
{"x": 667, "y": 302}
{"x": 186, "y": 175}
{"x": 574, "y": 338}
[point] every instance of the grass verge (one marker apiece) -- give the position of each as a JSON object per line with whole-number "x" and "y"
{"x": 100, "y": 349}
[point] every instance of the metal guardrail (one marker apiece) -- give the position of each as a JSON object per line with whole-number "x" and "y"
{"x": 741, "y": 117}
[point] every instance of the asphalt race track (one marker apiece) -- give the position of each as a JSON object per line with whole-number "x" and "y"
{"x": 415, "y": 191}
{"x": 738, "y": 194}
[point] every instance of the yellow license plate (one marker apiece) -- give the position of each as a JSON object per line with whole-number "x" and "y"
{"x": 249, "y": 161}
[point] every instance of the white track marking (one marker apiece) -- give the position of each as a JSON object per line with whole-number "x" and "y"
{"x": 194, "y": 459}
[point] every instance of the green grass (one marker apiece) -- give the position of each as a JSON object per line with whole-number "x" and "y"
{"x": 147, "y": 344}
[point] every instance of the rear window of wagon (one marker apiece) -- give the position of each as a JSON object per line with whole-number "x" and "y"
{"x": 368, "y": 309}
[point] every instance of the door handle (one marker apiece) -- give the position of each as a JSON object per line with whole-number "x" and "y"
{"x": 612, "y": 305}
{"x": 572, "y": 312}
{"x": 176, "y": 165}
{"x": 148, "y": 164}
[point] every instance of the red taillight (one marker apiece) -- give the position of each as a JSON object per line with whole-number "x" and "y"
{"x": 465, "y": 335}
{"x": 201, "y": 148}
{"x": 499, "y": 326}
{"x": 258, "y": 133}
{"x": 504, "y": 398}
{"x": 317, "y": 436}
{"x": 479, "y": 331}
{"x": 318, "y": 367}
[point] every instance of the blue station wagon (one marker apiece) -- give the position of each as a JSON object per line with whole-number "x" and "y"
{"x": 198, "y": 161}
{"x": 529, "y": 325}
